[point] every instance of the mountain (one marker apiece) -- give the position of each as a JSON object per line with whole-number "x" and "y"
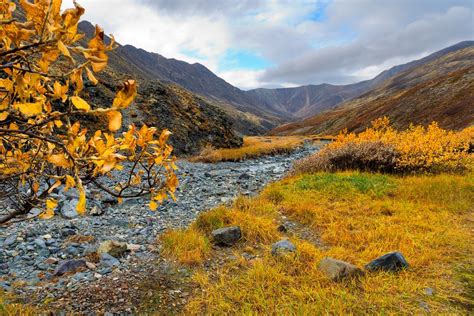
{"x": 305, "y": 101}
{"x": 248, "y": 118}
{"x": 438, "y": 88}
{"x": 194, "y": 121}
{"x": 259, "y": 110}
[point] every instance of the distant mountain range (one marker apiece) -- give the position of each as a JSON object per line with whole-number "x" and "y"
{"x": 439, "y": 88}
{"x": 258, "y": 111}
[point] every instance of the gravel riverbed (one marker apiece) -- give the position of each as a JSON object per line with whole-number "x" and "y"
{"x": 31, "y": 251}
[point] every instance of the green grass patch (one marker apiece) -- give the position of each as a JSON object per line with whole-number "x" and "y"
{"x": 346, "y": 183}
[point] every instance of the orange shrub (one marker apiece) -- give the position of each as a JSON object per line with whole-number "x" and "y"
{"x": 381, "y": 148}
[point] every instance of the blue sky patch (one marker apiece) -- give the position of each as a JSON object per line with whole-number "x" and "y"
{"x": 242, "y": 59}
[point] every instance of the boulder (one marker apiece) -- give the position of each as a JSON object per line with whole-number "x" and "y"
{"x": 108, "y": 260}
{"x": 338, "y": 270}
{"x": 68, "y": 210}
{"x": 392, "y": 261}
{"x": 112, "y": 247}
{"x": 227, "y": 236}
{"x": 69, "y": 266}
{"x": 283, "y": 246}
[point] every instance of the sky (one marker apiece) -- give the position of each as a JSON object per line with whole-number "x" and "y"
{"x": 285, "y": 43}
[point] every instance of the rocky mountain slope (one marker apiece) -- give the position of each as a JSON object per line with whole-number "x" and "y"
{"x": 194, "y": 121}
{"x": 436, "y": 89}
{"x": 246, "y": 117}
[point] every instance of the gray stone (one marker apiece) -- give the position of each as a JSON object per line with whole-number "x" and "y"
{"x": 392, "y": 261}
{"x": 112, "y": 247}
{"x": 108, "y": 260}
{"x": 40, "y": 243}
{"x": 96, "y": 210}
{"x": 338, "y": 270}
{"x": 68, "y": 210}
{"x": 69, "y": 266}
{"x": 10, "y": 240}
{"x": 283, "y": 246}
{"x": 227, "y": 236}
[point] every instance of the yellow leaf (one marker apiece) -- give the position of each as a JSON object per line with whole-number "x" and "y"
{"x": 63, "y": 49}
{"x": 59, "y": 160}
{"x": 35, "y": 187}
{"x": 3, "y": 116}
{"x": 81, "y": 205}
{"x": 70, "y": 182}
{"x": 115, "y": 120}
{"x": 51, "y": 205}
{"x": 120, "y": 200}
{"x": 91, "y": 76}
{"x": 126, "y": 95}
{"x": 80, "y": 104}
{"x": 153, "y": 205}
{"x": 55, "y": 185}
{"x": 58, "y": 123}
{"x": 30, "y": 109}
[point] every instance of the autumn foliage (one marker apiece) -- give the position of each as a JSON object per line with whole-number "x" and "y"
{"x": 382, "y": 148}
{"x": 44, "y": 146}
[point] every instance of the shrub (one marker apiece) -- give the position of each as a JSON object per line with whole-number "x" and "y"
{"x": 43, "y": 108}
{"x": 383, "y": 149}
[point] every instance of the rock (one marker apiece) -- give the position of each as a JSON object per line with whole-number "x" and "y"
{"x": 68, "y": 210}
{"x": 244, "y": 176}
{"x": 282, "y": 246}
{"x": 338, "y": 270}
{"x": 133, "y": 247}
{"x": 10, "y": 240}
{"x": 429, "y": 291}
{"x": 112, "y": 247}
{"x": 108, "y": 260}
{"x": 40, "y": 243}
{"x": 282, "y": 229}
{"x": 51, "y": 260}
{"x": 96, "y": 210}
{"x": 69, "y": 266}
{"x": 90, "y": 265}
{"x": 227, "y": 236}
{"x": 393, "y": 261}
{"x": 47, "y": 236}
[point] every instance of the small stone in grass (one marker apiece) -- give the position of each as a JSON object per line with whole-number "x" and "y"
{"x": 338, "y": 270}
{"x": 282, "y": 246}
{"x": 392, "y": 262}
{"x": 227, "y": 236}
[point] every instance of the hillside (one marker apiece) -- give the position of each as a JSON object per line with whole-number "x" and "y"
{"x": 246, "y": 117}
{"x": 258, "y": 110}
{"x": 440, "y": 90}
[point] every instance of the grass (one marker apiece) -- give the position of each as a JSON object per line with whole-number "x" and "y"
{"x": 9, "y": 308}
{"x": 253, "y": 147}
{"x": 358, "y": 217}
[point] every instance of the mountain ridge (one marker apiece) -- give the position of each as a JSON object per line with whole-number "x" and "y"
{"x": 440, "y": 90}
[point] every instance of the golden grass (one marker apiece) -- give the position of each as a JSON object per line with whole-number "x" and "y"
{"x": 13, "y": 309}
{"x": 358, "y": 217}
{"x": 188, "y": 247}
{"x": 255, "y": 146}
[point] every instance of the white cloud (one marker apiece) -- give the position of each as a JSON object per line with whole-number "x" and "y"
{"x": 356, "y": 39}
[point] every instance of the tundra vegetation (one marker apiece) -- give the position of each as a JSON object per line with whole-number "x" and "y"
{"x": 360, "y": 197}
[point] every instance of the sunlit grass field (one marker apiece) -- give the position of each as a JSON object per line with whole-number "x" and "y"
{"x": 356, "y": 217}
{"x": 255, "y": 146}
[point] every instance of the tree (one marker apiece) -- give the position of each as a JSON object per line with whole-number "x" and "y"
{"x": 44, "y": 146}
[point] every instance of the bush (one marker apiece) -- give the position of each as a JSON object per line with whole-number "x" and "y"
{"x": 383, "y": 149}
{"x": 43, "y": 110}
